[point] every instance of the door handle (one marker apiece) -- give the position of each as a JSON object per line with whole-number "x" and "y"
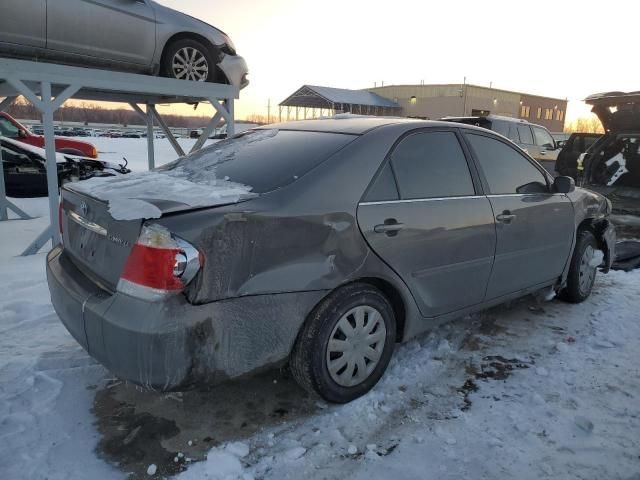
{"x": 543, "y": 152}
{"x": 391, "y": 229}
{"x": 506, "y": 217}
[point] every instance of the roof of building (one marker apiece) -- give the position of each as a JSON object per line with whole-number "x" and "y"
{"x": 327, "y": 97}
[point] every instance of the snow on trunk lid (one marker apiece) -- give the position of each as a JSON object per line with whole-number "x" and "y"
{"x": 135, "y": 196}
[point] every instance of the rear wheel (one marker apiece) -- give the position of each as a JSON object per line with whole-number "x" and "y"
{"x": 582, "y": 271}
{"x": 189, "y": 59}
{"x": 346, "y": 344}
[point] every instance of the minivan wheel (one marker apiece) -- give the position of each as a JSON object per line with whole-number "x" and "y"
{"x": 582, "y": 273}
{"x": 188, "y": 59}
{"x": 346, "y": 344}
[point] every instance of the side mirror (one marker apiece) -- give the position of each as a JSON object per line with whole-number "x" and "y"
{"x": 564, "y": 185}
{"x": 22, "y": 134}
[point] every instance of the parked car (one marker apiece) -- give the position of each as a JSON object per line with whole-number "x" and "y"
{"x": 25, "y": 173}
{"x": 11, "y": 128}
{"x": 572, "y": 149}
{"x": 612, "y": 165}
{"x": 347, "y": 236}
{"x": 533, "y": 139}
{"x": 139, "y": 36}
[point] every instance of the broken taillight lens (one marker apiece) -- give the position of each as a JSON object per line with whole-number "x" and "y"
{"x": 159, "y": 265}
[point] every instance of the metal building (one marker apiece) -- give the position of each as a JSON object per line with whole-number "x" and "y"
{"x": 311, "y": 101}
{"x": 437, "y": 101}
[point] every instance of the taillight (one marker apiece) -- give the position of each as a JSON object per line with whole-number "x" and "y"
{"x": 159, "y": 265}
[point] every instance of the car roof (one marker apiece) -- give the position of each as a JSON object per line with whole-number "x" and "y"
{"x": 344, "y": 123}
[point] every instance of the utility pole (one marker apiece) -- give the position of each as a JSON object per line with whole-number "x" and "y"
{"x": 269, "y": 111}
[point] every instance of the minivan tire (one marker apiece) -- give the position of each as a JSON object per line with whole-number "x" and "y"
{"x": 310, "y": 358}
{"x": 578, "y": 288}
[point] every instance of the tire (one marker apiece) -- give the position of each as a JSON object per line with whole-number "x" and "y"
{"x": 311, "y": 357}
{"x": 581, "y": 274}
{"x": 183, "y": 51}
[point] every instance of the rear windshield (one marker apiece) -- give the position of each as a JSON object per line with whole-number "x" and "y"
{"x": 264, "y": 160}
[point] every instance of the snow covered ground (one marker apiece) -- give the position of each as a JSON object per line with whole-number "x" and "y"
{"x": 530, "y": 390}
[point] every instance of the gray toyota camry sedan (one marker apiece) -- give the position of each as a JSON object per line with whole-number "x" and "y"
{"x": 320, "y": 244}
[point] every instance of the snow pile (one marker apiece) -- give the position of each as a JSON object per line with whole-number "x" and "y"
{"x": 132, "y": 196}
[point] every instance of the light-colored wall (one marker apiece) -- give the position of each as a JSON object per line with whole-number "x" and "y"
{"x": 437, "y": 101}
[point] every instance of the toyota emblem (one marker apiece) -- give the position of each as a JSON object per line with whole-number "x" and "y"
{"x": 84, "y": 208}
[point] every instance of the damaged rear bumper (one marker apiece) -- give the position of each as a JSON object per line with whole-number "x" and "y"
{"x": 173, "y": 344}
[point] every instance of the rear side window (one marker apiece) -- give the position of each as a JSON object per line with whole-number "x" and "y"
{"x": 383, "y": 187}
{"x": 500, "y": 127}
{"x": 524, "y": 131}
{"x": 431, "y": 164}
{"x": 264, "y": 160}
{"x": 507, "y": 171}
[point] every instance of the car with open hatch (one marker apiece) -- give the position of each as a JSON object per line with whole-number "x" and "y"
{"x": 319, "y": 244}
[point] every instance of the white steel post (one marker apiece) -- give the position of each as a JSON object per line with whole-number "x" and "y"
{"x": 52, "y": 167}
{"x": 150, "y": 145}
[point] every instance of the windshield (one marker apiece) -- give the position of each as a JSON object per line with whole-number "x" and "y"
{"x": 265, "y": 160}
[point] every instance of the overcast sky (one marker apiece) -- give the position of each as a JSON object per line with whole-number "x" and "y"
{"x": 564, "y": 49}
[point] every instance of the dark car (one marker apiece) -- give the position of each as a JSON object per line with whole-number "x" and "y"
{"x": 612, "y": 165}
{"x": 319, "y": 244}
{"x": 572, "y": 148}
{"x": 25, "y": 172}
{"x": 533, "y": 139}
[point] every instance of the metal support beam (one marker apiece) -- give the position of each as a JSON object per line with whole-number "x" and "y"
{"x": 151, "y": 154}
{"x": 167, "y": 131}
{"x": 207, "y": 132}
{"x": 6, "y": 103}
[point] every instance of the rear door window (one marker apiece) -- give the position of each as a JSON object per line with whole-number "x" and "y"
{"x": 506, "y": 170}
{"x": 524, "y": 131}
{"x": 262, "y": 159}
{"x": 431, "y": 165}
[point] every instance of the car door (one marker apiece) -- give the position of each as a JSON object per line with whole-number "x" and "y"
{"x": 424, "y": 216}
{"x": 109, "y": 30}
{"x": 22, "y": 22}
{"x": 534, "y": 226}
{"x": 546, "y": 146}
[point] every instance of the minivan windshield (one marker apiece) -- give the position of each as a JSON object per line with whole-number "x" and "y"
{"x": 264, "y": 160}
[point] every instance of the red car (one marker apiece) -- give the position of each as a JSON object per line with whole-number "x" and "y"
{"x": 11, "y": 128}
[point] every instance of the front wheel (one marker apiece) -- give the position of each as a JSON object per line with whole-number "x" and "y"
{"x": 346, "y": 344}
{"x": 189, "y": 59}
{"x": 582, "y": 271}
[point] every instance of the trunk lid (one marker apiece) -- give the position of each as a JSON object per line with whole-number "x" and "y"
{"x": 97, "y": 244}
{"x": 618, "y": 111}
